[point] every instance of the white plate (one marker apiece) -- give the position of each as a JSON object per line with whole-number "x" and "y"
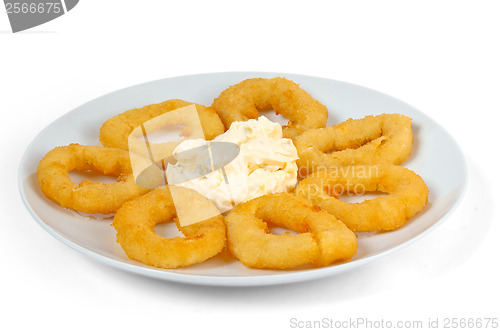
{"x": 436, "y": 157}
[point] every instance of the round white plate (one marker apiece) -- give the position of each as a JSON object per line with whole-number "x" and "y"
{"x": 436, "y": 158}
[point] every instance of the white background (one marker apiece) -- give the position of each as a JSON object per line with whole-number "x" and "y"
{"x": 443, "y": 57}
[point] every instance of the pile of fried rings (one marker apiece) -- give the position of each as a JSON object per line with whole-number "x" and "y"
{"x": 352, "y": 157}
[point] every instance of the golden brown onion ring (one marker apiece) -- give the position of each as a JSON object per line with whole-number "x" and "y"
{"x": 323, "y": 239}
{"x": 115, "y": 131}
{"x": 385, "y": 138}
{"x": 88, "y": 196}
{"x": 407, "y": 191}
{"x": 243, "y": 101}
{"x": 135, "y": 222}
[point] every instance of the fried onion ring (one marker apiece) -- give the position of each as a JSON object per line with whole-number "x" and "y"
{"x": 88, "y": 196}
{"x": 243, "y": 101}
{"x": 408, "y": 195}
{"x": 323, "y": 239}
{"x": 385, "y": 138}
{"x": 135, "y": 222}
{"x": 115, "y": 131}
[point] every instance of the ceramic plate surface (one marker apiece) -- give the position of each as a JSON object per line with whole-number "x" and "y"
{"x": 436, "y": 158}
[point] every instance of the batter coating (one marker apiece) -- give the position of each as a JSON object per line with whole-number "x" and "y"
{"x": 243, "y": 101}
{"x": 385, "y": 138}
{"x": 115, "y": 131}
{"x": 135, "y": 221}
{"x": 88, "y": 196}
{"x": 408, "y": 195}
{"x": 323, "y": 239}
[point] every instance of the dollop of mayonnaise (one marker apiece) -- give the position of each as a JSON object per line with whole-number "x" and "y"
{"x": 265, "y": 164}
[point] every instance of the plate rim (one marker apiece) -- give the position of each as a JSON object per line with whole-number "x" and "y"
{"x": 291, "y": 277}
